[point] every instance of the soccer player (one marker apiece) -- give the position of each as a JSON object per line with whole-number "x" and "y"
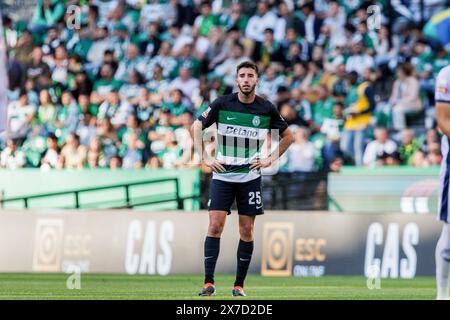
{"x": 442, "y": 95}
{"x": 243, "y": 120}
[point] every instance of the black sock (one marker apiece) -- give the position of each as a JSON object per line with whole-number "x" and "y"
{"x": 244, "y": 256}
{"x": 212, "y": 247}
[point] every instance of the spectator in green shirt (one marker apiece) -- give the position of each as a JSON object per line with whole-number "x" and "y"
{"x": 156, "y": 135}
{"x": 206, "y": 20}
{"x": 235, "y": 18}
{"x": 170, "y": 157}
{"x": 85, "y": 106}
{"x": 83, "y": 42}
{"x": 132, "y": 61}
{"x": 130, "y": 90}
{"x": 47, "y": 112}
{"x": 47, "y": 14}
{"x": 132, "y": 153}
{"x": 131, "y": 128}
{"x": 33, "y": 147}
{"x": 440, "y": 59}
{"x": 409, "y": 145}
{"x": 323, "y": 107}
{"x": 176, "y": 106}
{"x": 104, "y": 85}
{"x": 121, "y": 39}
{"x": 67, "y": 117}
{"x": 187, "y": 59}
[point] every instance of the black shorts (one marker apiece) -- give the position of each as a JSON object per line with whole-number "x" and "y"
{"x": 247, "y": 194}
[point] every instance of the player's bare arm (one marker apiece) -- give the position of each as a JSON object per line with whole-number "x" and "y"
{"x": 197, "y": 135}
{"x": 443, "y": 117}
{"x": 287, "y": 138}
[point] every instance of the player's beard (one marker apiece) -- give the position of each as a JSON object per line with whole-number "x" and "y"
{"x": 247, "y": 91}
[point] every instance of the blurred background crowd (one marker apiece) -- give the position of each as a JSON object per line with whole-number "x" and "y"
{"x": 119, "y": 85}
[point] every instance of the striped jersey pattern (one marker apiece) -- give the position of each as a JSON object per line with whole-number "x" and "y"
{"x": 241, "y": 132}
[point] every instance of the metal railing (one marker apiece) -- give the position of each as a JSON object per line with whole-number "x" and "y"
{"x": 129, "y": 203}
{"x": 296, "y": 191}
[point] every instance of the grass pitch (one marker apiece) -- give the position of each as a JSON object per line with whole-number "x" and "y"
{"x": 179, "y": 287}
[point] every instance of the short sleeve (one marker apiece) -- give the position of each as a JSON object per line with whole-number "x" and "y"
{"x": 442, "y": 93}
{"x": 211, "y": 114}
{"x": 276, "y": 120}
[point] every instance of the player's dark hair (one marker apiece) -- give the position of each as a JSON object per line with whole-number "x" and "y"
{"x": 247, "y": 64}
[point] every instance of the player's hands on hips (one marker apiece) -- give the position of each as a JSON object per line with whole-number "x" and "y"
{"x": 260, "y": 163}
{"x": 215, "y": 165}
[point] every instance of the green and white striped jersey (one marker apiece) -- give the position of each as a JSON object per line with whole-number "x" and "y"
{"x": 241, "y": 131}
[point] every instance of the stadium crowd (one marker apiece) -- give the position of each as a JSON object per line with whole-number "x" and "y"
{"x": 120, "y": 84}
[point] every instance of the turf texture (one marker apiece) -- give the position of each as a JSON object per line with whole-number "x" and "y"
{"x": 179, "y": 287}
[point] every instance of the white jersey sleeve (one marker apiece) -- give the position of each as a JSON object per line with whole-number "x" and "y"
{"x": 442, "y": 93}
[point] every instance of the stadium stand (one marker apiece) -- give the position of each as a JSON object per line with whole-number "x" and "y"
{"x": 122, "y": 87}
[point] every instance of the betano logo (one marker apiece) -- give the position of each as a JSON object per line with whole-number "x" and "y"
{"x": 245, "y": 133}
{"x": 282, "y": 256}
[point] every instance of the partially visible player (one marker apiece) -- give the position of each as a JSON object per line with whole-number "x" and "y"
{"x": 442, "y": 95}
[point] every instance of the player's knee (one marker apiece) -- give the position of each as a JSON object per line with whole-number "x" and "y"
{"x": 246, "y": 232}
{"x": 215, "y": 229}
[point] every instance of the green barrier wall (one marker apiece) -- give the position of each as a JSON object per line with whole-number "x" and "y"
{"x": 387, "y": 189}
{"x": 392, "y": 189}
{"x": 16, "y": 183}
